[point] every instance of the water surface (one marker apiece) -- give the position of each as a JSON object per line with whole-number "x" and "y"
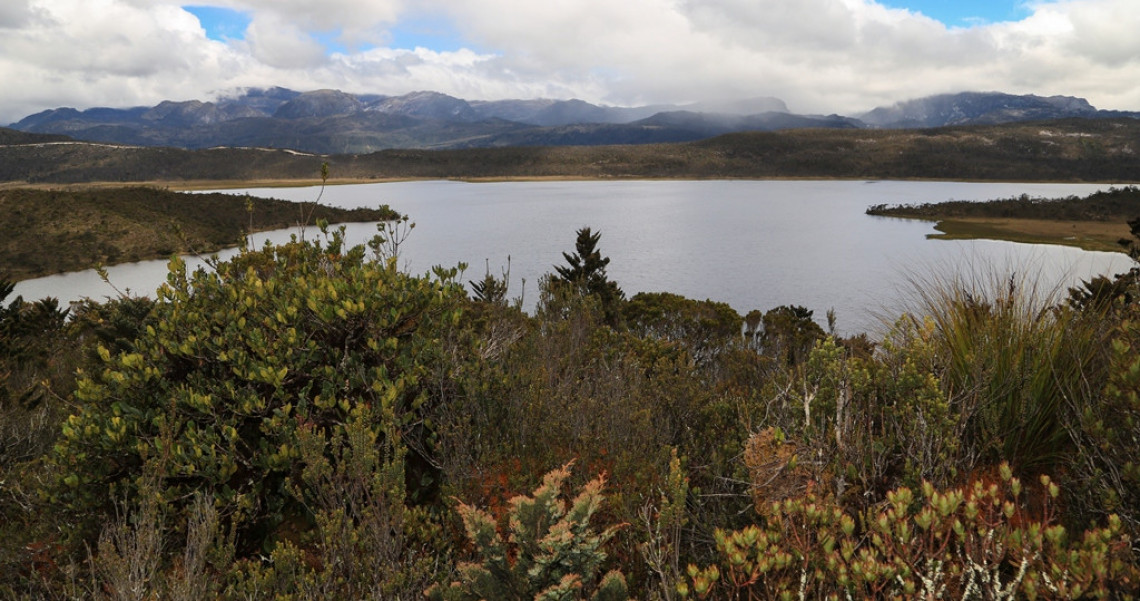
{"x": 752, "y": 244}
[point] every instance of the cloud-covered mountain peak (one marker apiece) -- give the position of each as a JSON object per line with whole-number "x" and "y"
{"x": 319, "y": 103}
{"x": 427, "y": 105}
{"x": 976, "y": 108}
{"x": 332, "y": 121}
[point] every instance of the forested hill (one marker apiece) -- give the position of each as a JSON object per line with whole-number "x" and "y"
{"x": 15, "y": 136}
{"x": 50, "y": 231}
{"x": 1115, "y": 204}
{"x": 1064, "y": 150}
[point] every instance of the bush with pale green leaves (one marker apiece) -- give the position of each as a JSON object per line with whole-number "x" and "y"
{"x": 548, "y": 551}
{"x": 994, "y": 539}
{"x": 245, "y": 361}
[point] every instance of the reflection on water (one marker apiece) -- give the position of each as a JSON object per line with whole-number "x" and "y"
{"x": 753, "y": 244}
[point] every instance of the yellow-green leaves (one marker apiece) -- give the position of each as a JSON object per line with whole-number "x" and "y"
{"x": 241, "y": 356}
{"x": 950, "y": 541}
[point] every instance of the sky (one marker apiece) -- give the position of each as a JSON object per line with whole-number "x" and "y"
{"x": 819, "y": 56}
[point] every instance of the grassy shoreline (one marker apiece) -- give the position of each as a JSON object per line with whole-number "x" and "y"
{"x": 1087, "y": 235}
{"x": 1095, "y": 222}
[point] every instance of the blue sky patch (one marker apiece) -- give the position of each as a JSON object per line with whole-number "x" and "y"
{"x": 433, "y": 33}
{"x": 438, "y": 34}
{"x": 332, "y": 43}
{"x": 964, "y": 13}
{"x": 221, "y": 24}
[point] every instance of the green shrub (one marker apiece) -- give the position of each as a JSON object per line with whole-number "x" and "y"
{"x": 585, "y": 274}
{"x": 1106, "y": 466}
{"x": 984, "y": 541}
{"x": 704, "y": 328}
{"x": 37, "y": 366}
{"x": 858, "y": 426}
{"x": 243, "y": 360}
{"x": 548, "y": 551}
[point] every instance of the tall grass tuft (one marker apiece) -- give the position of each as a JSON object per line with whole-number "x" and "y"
{"x": 1012, "y": 358}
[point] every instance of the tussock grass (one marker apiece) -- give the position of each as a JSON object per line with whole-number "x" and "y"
{"x": 1012, "y": 357}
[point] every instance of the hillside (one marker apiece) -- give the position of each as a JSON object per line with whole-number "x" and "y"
{"x": 977, "y": 108}
{"x": 15, "y": 136}
{"x": 51, "y": 231}
{"x": 1061, "y": 150}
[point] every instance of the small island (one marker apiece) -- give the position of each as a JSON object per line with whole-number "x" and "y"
{"x": 53, "y": 231}
{"x": 1095, "y": 222}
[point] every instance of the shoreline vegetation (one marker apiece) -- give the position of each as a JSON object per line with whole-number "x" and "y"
{"x": 1097, "y": 222}
{"x": 54, "y": 231}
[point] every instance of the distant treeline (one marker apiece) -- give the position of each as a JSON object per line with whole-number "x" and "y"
{"x": 1064, "y": 150}
{"x": 1112, "y": 205}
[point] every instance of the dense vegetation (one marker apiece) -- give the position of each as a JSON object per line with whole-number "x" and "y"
{"x": 1115, "y": 204}
{"x": 15, "y": 136}
{"x": 1094, "y": 222}
{"x": 1065, "y": 150}
{"x": 117, "y": 225}
{"x": 307, "y": 421}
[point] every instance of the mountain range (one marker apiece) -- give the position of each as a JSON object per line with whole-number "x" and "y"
{"x": 331, "y": 121}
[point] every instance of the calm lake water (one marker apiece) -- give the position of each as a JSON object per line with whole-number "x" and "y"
{"x": 752, "y": 244}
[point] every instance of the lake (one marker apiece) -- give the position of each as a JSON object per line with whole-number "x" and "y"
{"x": 752, "y": 244}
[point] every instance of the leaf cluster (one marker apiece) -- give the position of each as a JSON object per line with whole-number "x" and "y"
{"x": 239, "y": 362}
{"x": 550, "y": 551}
{"x": 983, "y": 541}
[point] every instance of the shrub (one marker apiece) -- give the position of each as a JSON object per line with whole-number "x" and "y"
{"x": 1106, "y": 469}
{"x": 984, "y": 541}
{"x": 856, "y": 426}
{"x": 704, "y": 328}
{"x": 585, "y": 274}
{"x": 37, "y": 366}
{"x": 549, "y": 550}
{"x": 788, "y": 333}
{"x": 239, "y": 363}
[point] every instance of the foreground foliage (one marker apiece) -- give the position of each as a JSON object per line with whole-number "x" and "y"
{"x": 296, "y": 422}
{"x": 982, "y": 541}
{"x": 550, "y": 550}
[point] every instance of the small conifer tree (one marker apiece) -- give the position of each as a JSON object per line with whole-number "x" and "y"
{"x": 585, "y": 273}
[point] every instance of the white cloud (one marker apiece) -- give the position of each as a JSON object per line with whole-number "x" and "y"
{"x": 278, "y": 43}
{"x": 15, "y": 13}
{"x": 1107, "y": 33}
{"x": 357, "y": 21}
{"x": 819, "y": 55}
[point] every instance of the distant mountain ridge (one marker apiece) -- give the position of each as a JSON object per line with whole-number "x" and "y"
{"x": 977, "y": 108}
{"x": 332, "y": 121}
